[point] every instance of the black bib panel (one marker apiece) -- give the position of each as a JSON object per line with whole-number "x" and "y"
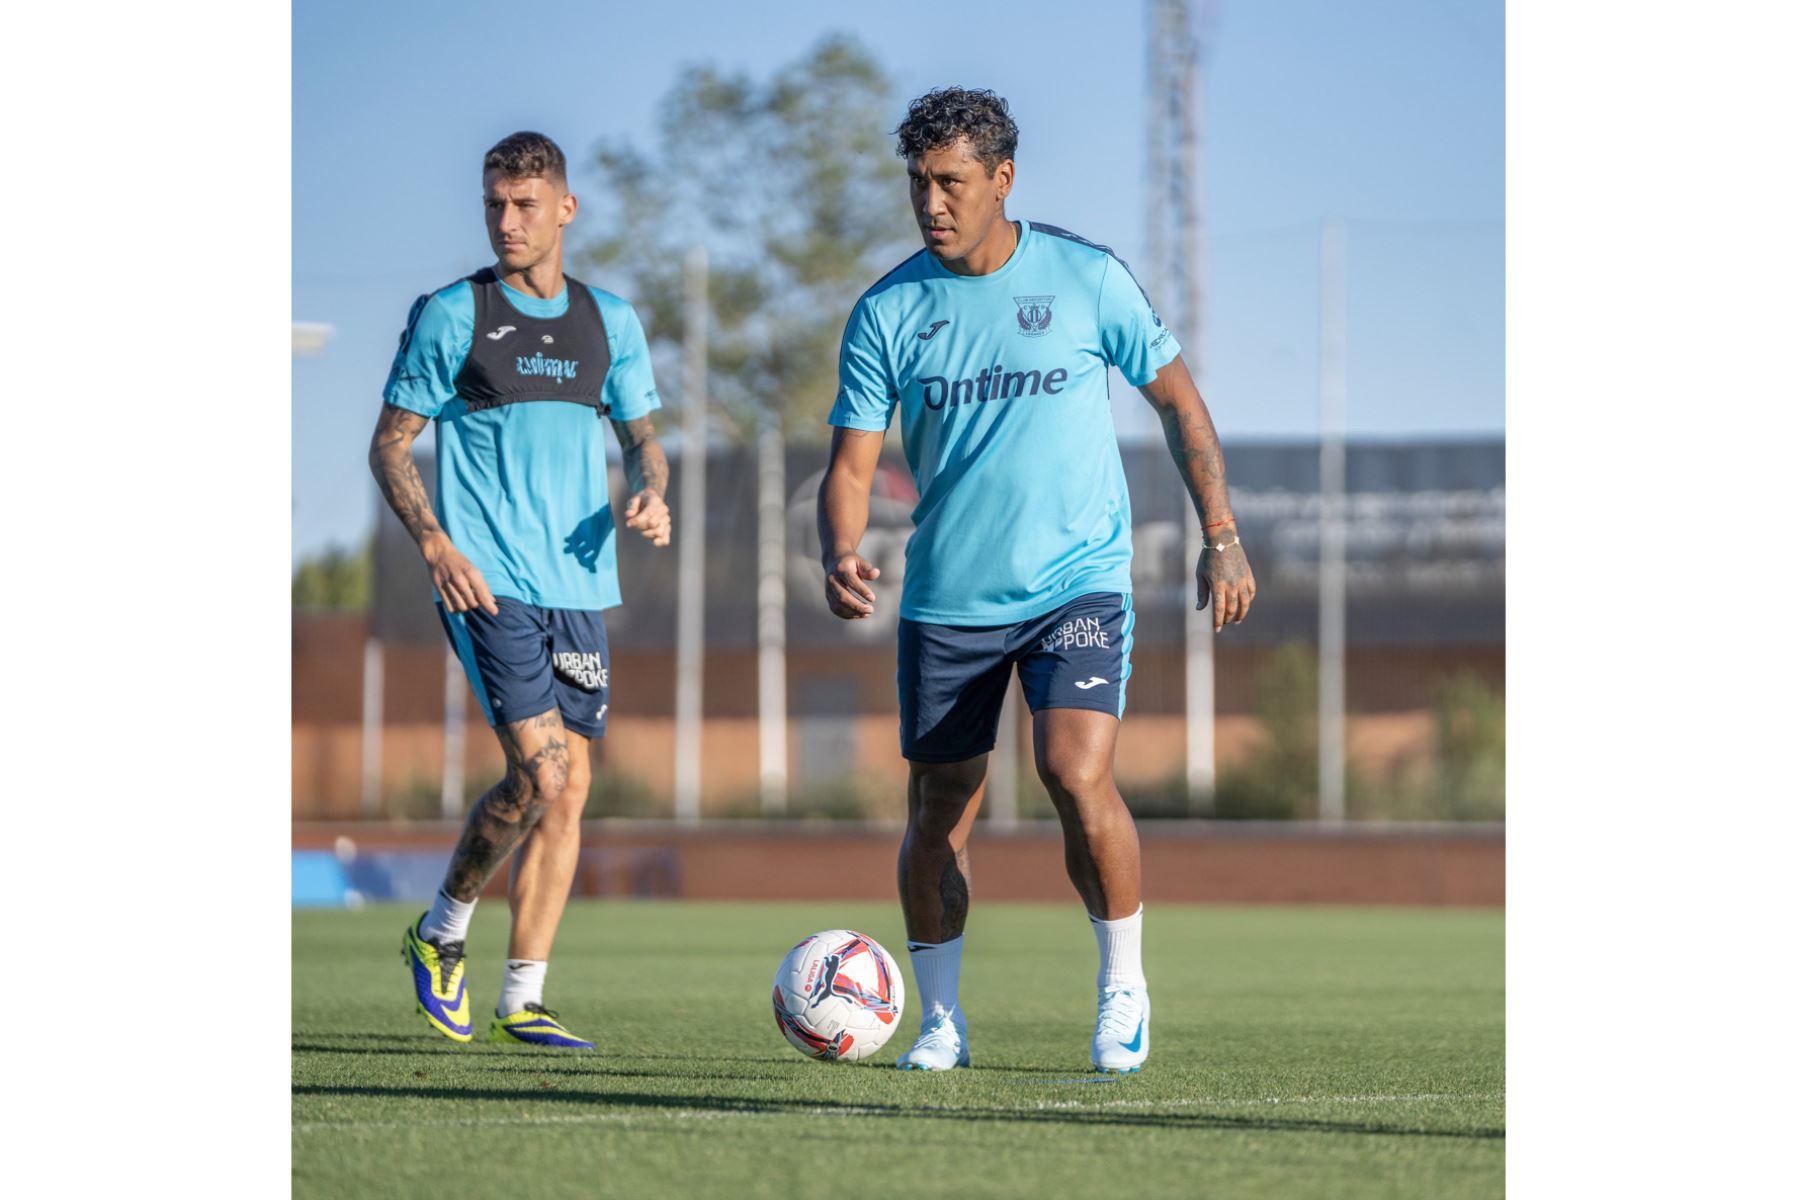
{"x": 514, "y": 358}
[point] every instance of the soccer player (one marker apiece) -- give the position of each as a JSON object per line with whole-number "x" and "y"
{"x": 521, "y": 367}
{"x": 992, "y": 344}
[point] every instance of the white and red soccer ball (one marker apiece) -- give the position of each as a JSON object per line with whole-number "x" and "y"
{"x": 838, "y": 996}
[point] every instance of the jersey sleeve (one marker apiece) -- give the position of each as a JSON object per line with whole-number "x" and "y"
{"x": 432, "y": 350}
{"x": 630, "y": 390}
{"x": 1132, "y": 337}
{"x": 866, "y": 396}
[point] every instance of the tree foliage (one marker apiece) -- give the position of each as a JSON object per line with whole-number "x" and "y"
{"x": 336, "y": 579}
{"x": 792, "y": 186}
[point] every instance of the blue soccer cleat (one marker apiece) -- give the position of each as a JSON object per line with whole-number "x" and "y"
{"x": 535, "y": 1025}
{"x": 1122, "y": 1029}
{"x": 437, "y": 971}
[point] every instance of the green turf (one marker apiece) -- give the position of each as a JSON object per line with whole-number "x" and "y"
{"x": 1295, "y": 1053}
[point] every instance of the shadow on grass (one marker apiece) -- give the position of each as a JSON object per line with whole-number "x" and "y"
{"x": 754, "y": 1106}
{"x": 378, "y": 1039}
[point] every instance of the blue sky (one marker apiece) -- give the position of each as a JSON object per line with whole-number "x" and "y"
{"x": 1388, "y": 114}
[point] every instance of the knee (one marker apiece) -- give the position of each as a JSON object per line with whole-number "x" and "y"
{"x": 513, "y": 799}
{"x": 567, "y": 804}
{"x": 940, "y": 795}
{"x": 547, "y": 774}
{"x": 1075, "y": 775}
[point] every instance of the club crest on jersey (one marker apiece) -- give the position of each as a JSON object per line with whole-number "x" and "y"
{"x": 1034, "y": 314}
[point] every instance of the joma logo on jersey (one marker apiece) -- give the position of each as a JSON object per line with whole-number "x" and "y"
{"x": 585, "y": 671}
{"x": 994, "y": 383}
{"x": 557, "y": 368}
{"x": 1078, "y": 634}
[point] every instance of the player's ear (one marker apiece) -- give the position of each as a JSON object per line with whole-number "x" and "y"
{"x": 569, "y": 205}
{"x": 1003, "y": 178}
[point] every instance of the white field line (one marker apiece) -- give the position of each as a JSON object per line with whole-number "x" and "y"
{"x": 857, "y": 1110}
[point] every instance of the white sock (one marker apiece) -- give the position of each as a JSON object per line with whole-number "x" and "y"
{"x": 448, "y": 920}
{"x": 523, "y": 984}
{"x": 935, "y": 969}
{"x": 1121, "y": 950}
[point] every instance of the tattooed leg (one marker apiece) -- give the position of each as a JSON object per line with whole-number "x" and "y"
{"x": 537, "y": 770}
{"x": 941, "y": 802}
{"x": 543, "y": 870}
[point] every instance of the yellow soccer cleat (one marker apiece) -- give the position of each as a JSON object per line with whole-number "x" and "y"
{"x": 535, "y": 1025}
{"x": 437, "y": 971}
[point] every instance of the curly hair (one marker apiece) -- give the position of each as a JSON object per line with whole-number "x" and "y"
{"x": 527, "y": 155}
{"x": 943, "y": 115}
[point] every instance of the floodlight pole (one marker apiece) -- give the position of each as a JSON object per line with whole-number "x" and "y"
{"x": 1179, "y": 34}
{"x": 1332, "y": 584}
{"x": 690, "y": 563}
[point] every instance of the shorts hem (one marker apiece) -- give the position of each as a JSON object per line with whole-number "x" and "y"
{"x": 1111, "y": 710}
{"x": 939, "y": 759}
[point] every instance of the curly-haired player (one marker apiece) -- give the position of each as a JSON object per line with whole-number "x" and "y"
{"x": 993, "y": 345}
{"x": 522, "y": 368}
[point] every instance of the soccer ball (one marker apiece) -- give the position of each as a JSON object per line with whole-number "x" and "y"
{"x": 838, "y": 996}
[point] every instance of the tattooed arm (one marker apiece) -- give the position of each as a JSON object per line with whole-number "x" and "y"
{"x": 457, "y": 579}
{"x": 1224, "y": 574}
{"x": 647, "y": 474}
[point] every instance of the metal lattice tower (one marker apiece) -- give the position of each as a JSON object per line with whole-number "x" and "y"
{"x": 1176, "y": 250}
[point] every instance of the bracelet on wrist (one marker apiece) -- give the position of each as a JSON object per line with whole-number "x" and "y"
{"x": 1221, "y": 547}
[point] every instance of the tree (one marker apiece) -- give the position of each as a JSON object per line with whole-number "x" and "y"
{"x": 793, "y": 187}
{"x": 336, "y": 579}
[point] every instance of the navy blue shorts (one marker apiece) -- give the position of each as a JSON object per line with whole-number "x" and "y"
{"x": 953, "y": 678}
{"x": 529, "y": 660}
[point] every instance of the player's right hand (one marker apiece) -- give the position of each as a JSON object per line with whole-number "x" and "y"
{"x": 845, "y": 592}
{"x": 457, "y": 579}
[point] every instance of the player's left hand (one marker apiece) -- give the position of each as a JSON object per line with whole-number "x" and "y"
{"x": 1225, "y": 576}
{"x": 650, "y": 516}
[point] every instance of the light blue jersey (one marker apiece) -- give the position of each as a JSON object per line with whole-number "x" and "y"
{"x": 522, "y": 487}
{"x": 1001, "y": 385}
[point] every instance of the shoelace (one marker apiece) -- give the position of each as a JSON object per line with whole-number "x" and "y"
{"x": 1120, "y": 1012}
{"x": 449, "y": 954}
{"x": 532, "y": 1006}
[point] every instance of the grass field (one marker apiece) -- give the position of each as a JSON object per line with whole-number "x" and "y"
{"x": 1295, "y": 1053}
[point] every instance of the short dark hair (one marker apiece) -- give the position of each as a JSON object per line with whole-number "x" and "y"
{"x": 943, "y": 115}
{"x": 527, "y": 155}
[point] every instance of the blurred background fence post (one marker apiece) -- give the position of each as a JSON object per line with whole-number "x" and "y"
{"x": 771, "y": 612}
{"x": 1003, "y": 767}
{"x": 690, "y": 545}
{"x": 455, "y": 724}
{"x": 1331, "y": 522}
{"x": 371, "y": 726}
